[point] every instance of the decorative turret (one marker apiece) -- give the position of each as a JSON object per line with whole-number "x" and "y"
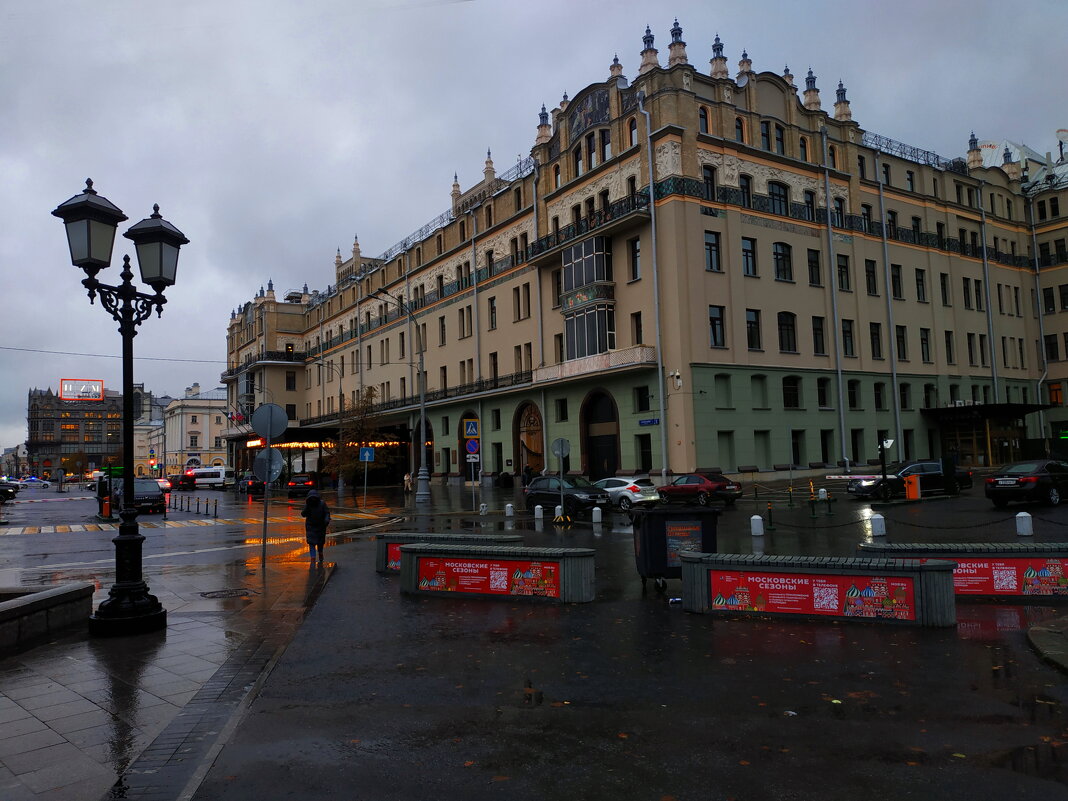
{"x": 745, "y": 64}
{"x": 677, "y": 48}
{"x": 841, "y": 105}
{"x": 975, "y": 156}
{"x": 563, "y": 103}
{"x": 649, "y": 59}
{"x": 616, "y": 70}
{"x": 544, "y": 130}
{"x": 337, "y": 259}
{"x": 455, "y": 190}
{"x": 488, "y": 171}
{"x": 787, "y": 76}
{"x": 355, "y": 254}
{"x": 1011, "y": 166}
{"x": 718, "y": 61}
{"x": 270, "y": 289}
{"x": 812, "y": 94}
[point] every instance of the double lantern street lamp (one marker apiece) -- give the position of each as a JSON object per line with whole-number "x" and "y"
{"x": 422, "y": 478}
{"x": 91, "y": 222}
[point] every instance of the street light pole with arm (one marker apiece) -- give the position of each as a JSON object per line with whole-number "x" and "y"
{"x": 422, "y": 479}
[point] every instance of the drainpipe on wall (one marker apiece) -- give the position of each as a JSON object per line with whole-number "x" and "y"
{"x": 890, "y": 328}
{"x": 989, "y": 311}
{"x": 1040, "y": 310}
{"x": 832, "y": 280}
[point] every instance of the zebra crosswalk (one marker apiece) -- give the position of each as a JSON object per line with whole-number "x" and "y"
{"x": 68, "y": 528}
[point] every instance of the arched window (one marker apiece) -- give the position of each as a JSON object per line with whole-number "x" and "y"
{"x": 632, "y": 131}
{"x": 791, "y": 392}
{"x": 739, "y": 130}
{"x": 708, "y": 175}
{"x": 702, "y": 120}
{"x": 778, "y": 198}
{"x": 782, "y": 258}
{"x": 556, "y": 176}
{"x": 787, "y": 332}
{"x": 803, "y": 148}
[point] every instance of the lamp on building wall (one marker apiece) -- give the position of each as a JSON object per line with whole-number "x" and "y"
{"x": 91, "y": 221}
{"x": 422, "y": 478}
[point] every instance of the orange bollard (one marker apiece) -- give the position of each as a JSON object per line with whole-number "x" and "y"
{"x": 107, "y": 507}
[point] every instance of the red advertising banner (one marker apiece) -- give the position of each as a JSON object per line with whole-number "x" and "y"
{"x": 1003, "y": 575}
{"x": 490, "y": 576}
{"x": 813, "y": 594}
{"x": 393, "y": 555}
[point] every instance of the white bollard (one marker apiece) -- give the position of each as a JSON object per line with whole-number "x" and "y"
{"x": 509, "y": 510}
{"x": 756, "y": 526}
{"x": 483, "y": 508}
{"x": 595, "y": 515}
{"x": 538, "y": 512}
{"x": 1024, "y": 525}
{"x": 878, "y": 525}
{"x": 822, "y": 494}
{"x": 559, "y": 511}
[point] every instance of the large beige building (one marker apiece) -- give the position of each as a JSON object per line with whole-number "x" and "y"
{"x": 798, "y": 290}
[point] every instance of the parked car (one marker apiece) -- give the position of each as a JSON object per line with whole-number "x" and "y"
{"x": 628, "y": 492}
{"x": 300, "y": 484}
{"x": 701, "y": 488}
{"x": 7, "y": 493}
{"x": 249, "y": 484}
{"x": 34, "y": 481}
{"x": 12, "y": 485}
{"x": 148, "y": 497}
{"x": 579, "y": 495}
{"x": 164, "y": 484}
{"x": 1037, "y": 480}
{"x": 929, "y": 471}
{"x": 182, "y": 481}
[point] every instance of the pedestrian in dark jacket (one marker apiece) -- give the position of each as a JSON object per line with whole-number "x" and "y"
{"x": 316, "y": 516}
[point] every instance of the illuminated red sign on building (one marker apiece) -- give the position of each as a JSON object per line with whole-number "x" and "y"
{"x": 81, "y": 389}
{"x": 813, "y": 594}
{"x": 489, "y": 576}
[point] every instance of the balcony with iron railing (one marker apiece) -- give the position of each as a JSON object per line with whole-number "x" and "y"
{"x": 614, "y": 360}
{"x": 621, "y": 214}
{"x": 266, "y": 357}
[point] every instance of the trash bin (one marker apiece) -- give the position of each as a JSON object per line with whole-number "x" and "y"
{"x": 662, "y": 532}
{"x": 912, "y": 488}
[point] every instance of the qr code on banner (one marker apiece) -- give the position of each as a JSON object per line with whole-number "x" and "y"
{"x": 1005, "y": 579}
{"x": 498, "y": 579}
{"x": 825, "y": 597}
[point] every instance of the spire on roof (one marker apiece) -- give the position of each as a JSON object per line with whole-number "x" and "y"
{"x": 649, "y": 60}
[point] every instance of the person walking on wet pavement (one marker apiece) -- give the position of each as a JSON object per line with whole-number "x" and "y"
{"x": 316, "y": 516}
{"x": 407, "y": 483}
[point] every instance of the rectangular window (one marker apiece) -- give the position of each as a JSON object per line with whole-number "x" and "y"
{"x": 441, "y": 330}
{"x": 896, "y": 287}
{"x": 979, "y": 295}
{"x": 815, "y": 276}
{"x": 712, "y": 262}
{"x": 950, "y": 359}
{"x": 902, "y": 340}
{"x": 921, "y": 285}
{"x": 717, "y": 334}
{"x": 637, "y": 334}
{"x": 765, "y": 135}
{"x": 787, "y": 332}
{"x": 910, "y": 180}
{"x": 925, "y": 345}
{"x": 561, "y": 409}
{"x": 752, "y": 328}
{"x": 634, "y": 249}
{"x": 291, "y": 380}
{"x": 819, "y": 339}
{"x": 849, "y": 347}
{"x": 782, "y": 261}
{"x": 875, "y": 333}
{"x": 967, "y": 284}
{"x": 1053, "y": 352}
{"x": 492, "y": 302}
{"x": 641, "y": 399}
{"x": 749, "y": 265}
{"x": 870, "y": 277}
{"x": 971, "y": 348}
{"x": 1048, "y": 306}
{"x": 843, "y": 273}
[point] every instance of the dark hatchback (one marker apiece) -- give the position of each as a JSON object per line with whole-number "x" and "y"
{"x": 300, "y": 484}
{"x": 1044, "y": 480}
{"x": 148, "y": 497}
{"x": 249, "y": 485}
{"x": 181, "y": 481}
{"x": 702, "y": 489}
{"x": 579, "y": 495}
{"x": 929, "y": 472}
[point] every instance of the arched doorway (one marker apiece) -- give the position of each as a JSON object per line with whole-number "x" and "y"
{"x": 529, "y": 441}
{"x": 600, "y": 434}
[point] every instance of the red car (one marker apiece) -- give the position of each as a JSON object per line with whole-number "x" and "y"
{"x": 701, "y": 488}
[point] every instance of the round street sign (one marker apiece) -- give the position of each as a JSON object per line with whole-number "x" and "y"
{"x": 268, "y": 464}
{"x": 270, "y": 420}
{"x": 561, "y": 447}
{"x": 472, "y": 446}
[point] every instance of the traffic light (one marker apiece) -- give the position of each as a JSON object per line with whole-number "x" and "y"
{"x": 152, "y": 463}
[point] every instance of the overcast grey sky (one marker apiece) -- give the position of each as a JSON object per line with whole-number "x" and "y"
{"x": 272, "y": 131}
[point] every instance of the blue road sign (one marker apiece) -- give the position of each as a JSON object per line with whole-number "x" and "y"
{"x": 472, "y": 446}
{"x": 470, "y": 429}
{"x": 367, "y": 454}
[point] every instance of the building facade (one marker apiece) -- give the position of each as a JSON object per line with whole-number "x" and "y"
{"x": 693, "y": 269}
{"x": 189, "y": 433}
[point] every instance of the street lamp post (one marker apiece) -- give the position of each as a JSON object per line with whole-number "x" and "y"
{"x": 422, "y": 478}
{"x": 91, "y": 221}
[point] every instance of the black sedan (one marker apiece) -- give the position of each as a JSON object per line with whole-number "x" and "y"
{"x": 579, "y": 495}
{"x": 148, "y": 497}
{"x": 928, "y": 472}
{"x": 249, "y": 485}
{"x": 1043, "y": 480}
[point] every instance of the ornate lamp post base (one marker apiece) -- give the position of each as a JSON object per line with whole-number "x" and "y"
{"x": 129, "y": 607}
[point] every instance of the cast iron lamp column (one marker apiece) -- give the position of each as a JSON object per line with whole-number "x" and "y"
{"x": 422, "y": 478}
{"x": 91, "y": 222}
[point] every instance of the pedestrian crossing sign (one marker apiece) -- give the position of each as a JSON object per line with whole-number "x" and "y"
{"x": 470, "y": 429}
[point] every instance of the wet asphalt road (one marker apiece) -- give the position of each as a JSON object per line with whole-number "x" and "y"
{"x": 382, "y": 696}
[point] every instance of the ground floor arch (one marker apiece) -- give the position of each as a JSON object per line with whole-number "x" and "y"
{"x": 528, "y": 439}
{"x": 599, "y": 421}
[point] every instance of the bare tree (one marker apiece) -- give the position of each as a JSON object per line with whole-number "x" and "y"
{"x": 356, "y": 427}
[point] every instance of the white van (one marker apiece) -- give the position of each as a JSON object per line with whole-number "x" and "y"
{"x": 213, "y": 477}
